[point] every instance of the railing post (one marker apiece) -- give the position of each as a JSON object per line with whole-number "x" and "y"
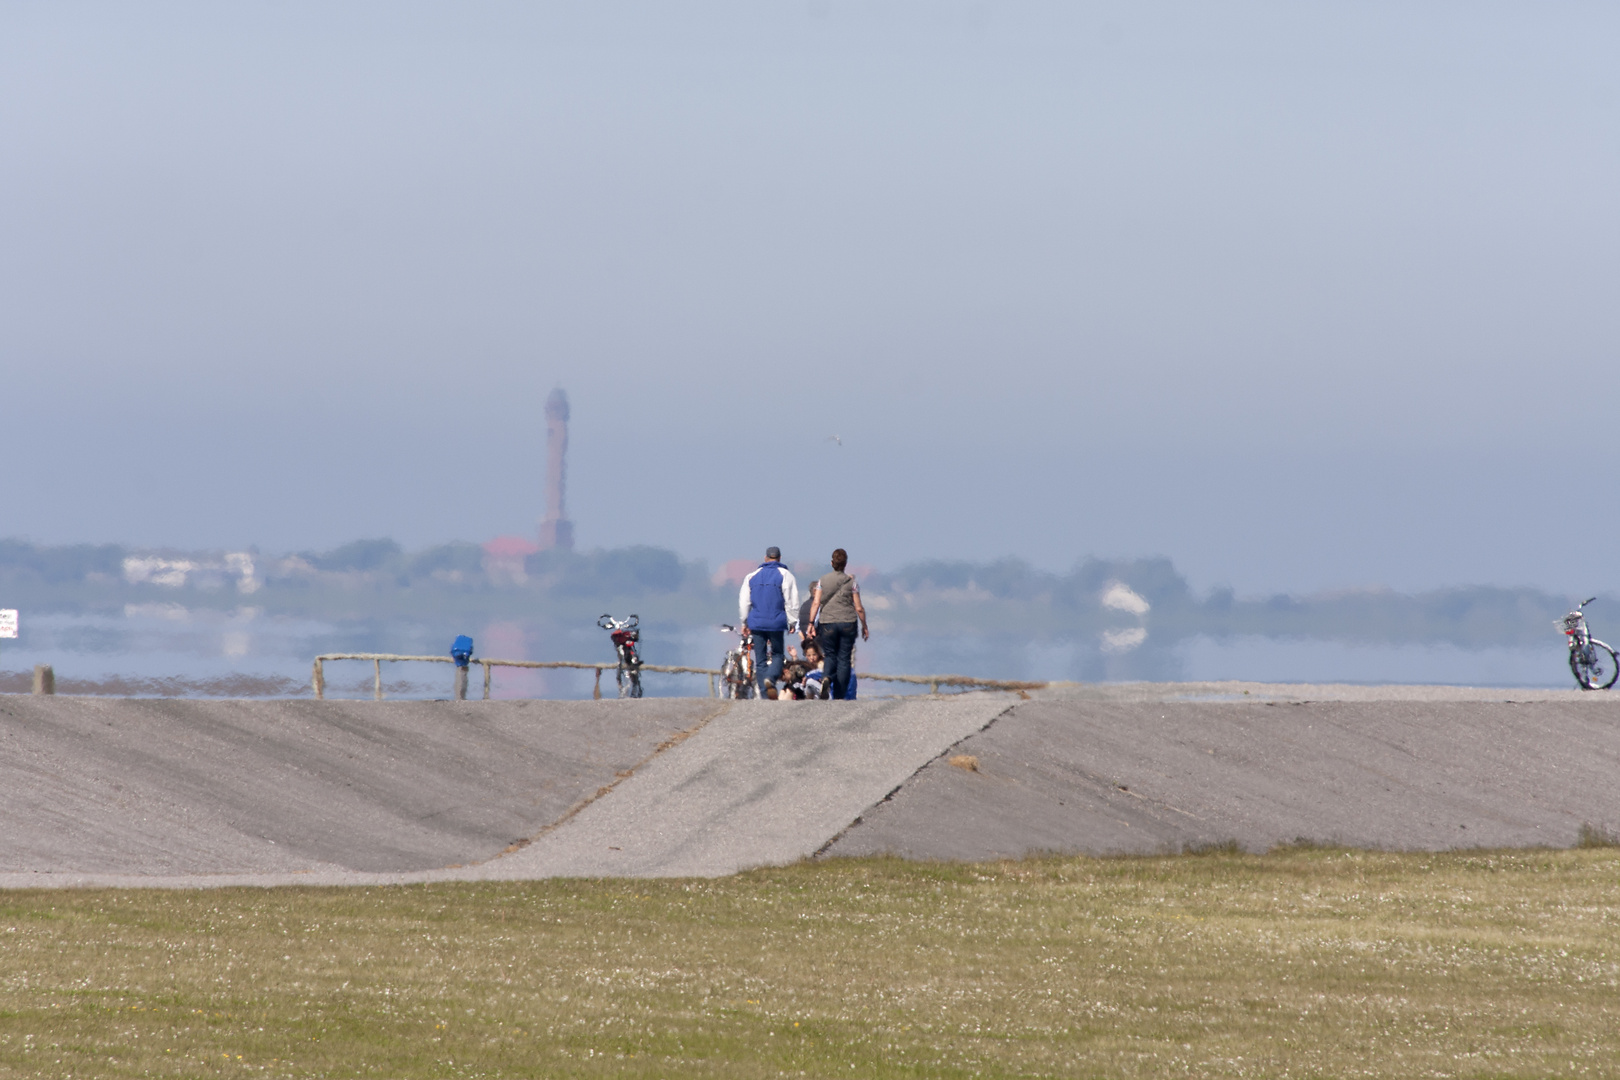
{"x": 933, "y": 687}
{"x": 317, "y": 679}
{"x": 596, "y": 695}
{"x": 461, "y": 683}
{"x": 377, "y": 679}
{"x": 44, "y": 679}
{"x": 486, "y": 678}
{"x": 712, "y": 691}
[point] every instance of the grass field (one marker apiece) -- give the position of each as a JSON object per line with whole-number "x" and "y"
{"x": 1298, "y": 963}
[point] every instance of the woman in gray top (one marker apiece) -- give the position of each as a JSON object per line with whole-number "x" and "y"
{"x": 836, "y": 603}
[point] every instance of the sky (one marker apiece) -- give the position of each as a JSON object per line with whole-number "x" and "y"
{"x": 1303, "y": 296}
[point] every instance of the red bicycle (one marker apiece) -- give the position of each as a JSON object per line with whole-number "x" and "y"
{"x": 625, "y": 636}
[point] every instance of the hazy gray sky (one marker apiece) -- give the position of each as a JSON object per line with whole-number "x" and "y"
{"x": 1301, "y": 295}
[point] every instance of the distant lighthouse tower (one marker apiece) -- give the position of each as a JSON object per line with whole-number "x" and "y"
{"x": 556, "y": 531}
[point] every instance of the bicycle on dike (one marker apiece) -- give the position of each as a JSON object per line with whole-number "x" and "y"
{"x": 1593, "y": 662}
{"x": 625, "y": 636}
{"x": 737, "y": 670}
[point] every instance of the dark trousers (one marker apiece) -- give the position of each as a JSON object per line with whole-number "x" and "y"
{"x": 763, "y": 672}
{"x": 837, "y": 642}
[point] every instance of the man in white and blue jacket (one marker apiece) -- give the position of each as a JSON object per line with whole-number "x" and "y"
{"x": 769, "y": 606}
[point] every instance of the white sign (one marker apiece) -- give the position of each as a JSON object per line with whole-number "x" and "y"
{"x": 8, "y": 622}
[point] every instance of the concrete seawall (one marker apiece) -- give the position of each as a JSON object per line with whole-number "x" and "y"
{"x": 1118, "y": 777}
{"x": 158, "y": 792}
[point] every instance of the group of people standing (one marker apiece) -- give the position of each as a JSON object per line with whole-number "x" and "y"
{"x": 826, "y": 622}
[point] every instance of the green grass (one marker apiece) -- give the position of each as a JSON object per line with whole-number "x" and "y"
{"x": 1592, "y": 836}
{"x": 1306, "y": 962}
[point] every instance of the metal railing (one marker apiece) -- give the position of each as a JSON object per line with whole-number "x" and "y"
{"x": 318, "y": 677}
{"x": 933, "y": 682}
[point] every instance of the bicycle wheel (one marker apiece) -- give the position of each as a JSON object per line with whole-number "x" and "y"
{"x": 1594, "y": 665}
{"x": 624, "y": 683}
{"x": 635, "y": 683}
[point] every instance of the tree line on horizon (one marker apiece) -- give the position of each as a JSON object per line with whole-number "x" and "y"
{"x": 1007, "y": 597}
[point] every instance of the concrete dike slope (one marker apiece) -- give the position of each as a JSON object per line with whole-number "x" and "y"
{"x": 181, "y": 788}
{"x": 143, "y": 792}
{"x": 1150, "y": 769}
{"x": 199, "y": 793}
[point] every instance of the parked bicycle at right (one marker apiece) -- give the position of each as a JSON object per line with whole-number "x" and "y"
{"x": 1593, "y": 663}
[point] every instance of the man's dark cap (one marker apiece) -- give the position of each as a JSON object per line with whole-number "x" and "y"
{"x": 773, "y": 553}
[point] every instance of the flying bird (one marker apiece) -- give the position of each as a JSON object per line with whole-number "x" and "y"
{"x": 836, "y": 439}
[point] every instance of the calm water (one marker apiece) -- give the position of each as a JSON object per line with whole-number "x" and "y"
{"x": 166, "y": 649}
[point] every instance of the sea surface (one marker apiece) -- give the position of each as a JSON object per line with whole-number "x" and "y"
{"x": 168, "y": 650}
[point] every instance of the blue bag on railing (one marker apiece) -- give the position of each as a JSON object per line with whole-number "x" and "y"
{"x": 461, "y": 651}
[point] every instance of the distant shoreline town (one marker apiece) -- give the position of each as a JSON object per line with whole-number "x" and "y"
{"x": 1119, "y": 604}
